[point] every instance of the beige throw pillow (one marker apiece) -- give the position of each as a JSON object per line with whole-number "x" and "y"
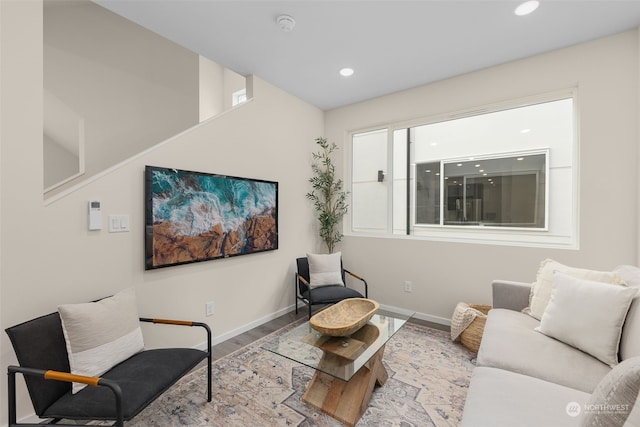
{"x": 615, "y": 396}
{"x": 541, "y": 288}
{"x": 101, "y": 334}
{"x": 630, "y": 340}
{"x": 325, "y": 269}
{"x": 587, "y": 315}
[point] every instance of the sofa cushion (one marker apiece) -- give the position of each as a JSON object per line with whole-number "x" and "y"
{"x": 630, "y": 340}
{"x": 101, "y": 334}
{"x": 541, "y": 288}
{"x": 501, "y": 398}
{"x": 325, "y": 269}
{"x": 587, "y": 315}
{"x": 510, "y": 342}
{"x": 142, "y": 378}
{"x": 613, "y": 399}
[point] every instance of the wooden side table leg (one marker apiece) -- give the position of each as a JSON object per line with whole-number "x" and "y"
{"x": 346, "y": 401}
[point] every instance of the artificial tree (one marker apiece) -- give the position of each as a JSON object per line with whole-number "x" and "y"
{"x": 328, "y": 198}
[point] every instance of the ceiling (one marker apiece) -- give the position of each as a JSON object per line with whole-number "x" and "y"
{"x": 392, "y": 45}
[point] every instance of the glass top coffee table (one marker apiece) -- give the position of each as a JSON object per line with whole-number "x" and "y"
{"x": 347, "y": 368}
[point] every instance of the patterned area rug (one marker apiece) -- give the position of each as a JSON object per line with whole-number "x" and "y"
{"x": 428, "y": 380}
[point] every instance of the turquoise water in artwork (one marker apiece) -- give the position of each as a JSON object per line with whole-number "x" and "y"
{"x": 196, "y": 203}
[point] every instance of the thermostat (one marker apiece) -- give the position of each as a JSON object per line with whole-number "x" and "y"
{"x": 95, "y": 215}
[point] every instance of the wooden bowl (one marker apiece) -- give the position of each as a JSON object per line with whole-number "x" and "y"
{"x": 345, "y": 317}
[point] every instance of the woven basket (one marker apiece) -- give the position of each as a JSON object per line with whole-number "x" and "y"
{"x": 472, "y": 335}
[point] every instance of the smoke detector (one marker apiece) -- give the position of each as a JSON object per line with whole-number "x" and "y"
{"x": 286, "y": 23}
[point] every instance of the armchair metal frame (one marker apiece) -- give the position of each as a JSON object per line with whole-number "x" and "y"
{"x": 60, "y": 376}
{"x": 326, "y": 294}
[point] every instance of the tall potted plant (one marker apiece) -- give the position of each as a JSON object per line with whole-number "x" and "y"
{"x": 328, "y": 198}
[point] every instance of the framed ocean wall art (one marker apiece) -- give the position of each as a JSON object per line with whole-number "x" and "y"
{"x": 197, "y": 216}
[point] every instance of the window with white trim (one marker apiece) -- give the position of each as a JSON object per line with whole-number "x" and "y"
{"x": 506, "y": 176}
{"x": 238, "y": 97}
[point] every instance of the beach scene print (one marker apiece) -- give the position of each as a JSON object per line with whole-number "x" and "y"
{"x": 196, "y": 216}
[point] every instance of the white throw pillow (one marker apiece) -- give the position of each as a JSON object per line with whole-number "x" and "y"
{"x": 541, "y": 288}
{"x": 101, "y": 334}
{"x": 325, "y": 269}
{"x": 587, "y": 315}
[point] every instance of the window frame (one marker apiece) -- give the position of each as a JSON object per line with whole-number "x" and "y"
{"x": 442, "y": 179}
{"x": 239, "y": 97}
{"x": 566, "y": 238}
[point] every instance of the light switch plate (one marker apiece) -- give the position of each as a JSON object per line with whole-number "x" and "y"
{"x": 118, "y": 223}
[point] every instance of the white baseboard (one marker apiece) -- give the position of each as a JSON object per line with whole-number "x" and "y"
{"x": 234, "y": 332}
{"x": 421, "y": 316}
{"x": 433, "y": 319}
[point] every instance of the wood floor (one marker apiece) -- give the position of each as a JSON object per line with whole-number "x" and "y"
{"x": 242, "y": 340}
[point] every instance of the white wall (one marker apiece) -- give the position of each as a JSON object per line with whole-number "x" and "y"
{"x": 605, "y": 72}
{"x": 211, "y": 82}
{"x": 48, "y": 256}
{"x": 132, "y": 87}
{"x": 217, "y": 86}
{"x": 61, "y": 163}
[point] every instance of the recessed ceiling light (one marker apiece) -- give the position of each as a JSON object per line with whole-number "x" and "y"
{"x": 527, "y": 7}
{"x": 346, "y": 72}
{"x": 525, "y": 131}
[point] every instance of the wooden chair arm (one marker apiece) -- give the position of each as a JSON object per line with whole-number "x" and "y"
{"x": 302, "y": 279}
{"x": 180, "y": 323}
{"x": 354, "y": 275}
{"x": 168, "y": 321}
{"x": 61, "y": 376}
{"x": 366, "y": 286}
{"x": 71, "y": 378}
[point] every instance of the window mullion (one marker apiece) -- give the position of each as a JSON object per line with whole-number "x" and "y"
{"x": 408, "y": 188}
{"x": 441, "y": 193}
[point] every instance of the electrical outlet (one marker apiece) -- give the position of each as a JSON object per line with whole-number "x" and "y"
{"x": 208, "y": 308}
{"x": 408, "y": 286}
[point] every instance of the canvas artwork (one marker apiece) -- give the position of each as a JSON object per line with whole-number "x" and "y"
{"x": 196, "y": 216}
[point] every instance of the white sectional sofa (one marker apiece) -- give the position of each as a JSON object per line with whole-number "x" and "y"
{"x": 524, "y": 377}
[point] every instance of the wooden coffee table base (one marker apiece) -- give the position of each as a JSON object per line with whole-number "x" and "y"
{"x": 346, "y": 401}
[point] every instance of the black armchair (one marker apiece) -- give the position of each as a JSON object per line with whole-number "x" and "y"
{"x": 325, "y": 294}
{"x": 119, "y": 394}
